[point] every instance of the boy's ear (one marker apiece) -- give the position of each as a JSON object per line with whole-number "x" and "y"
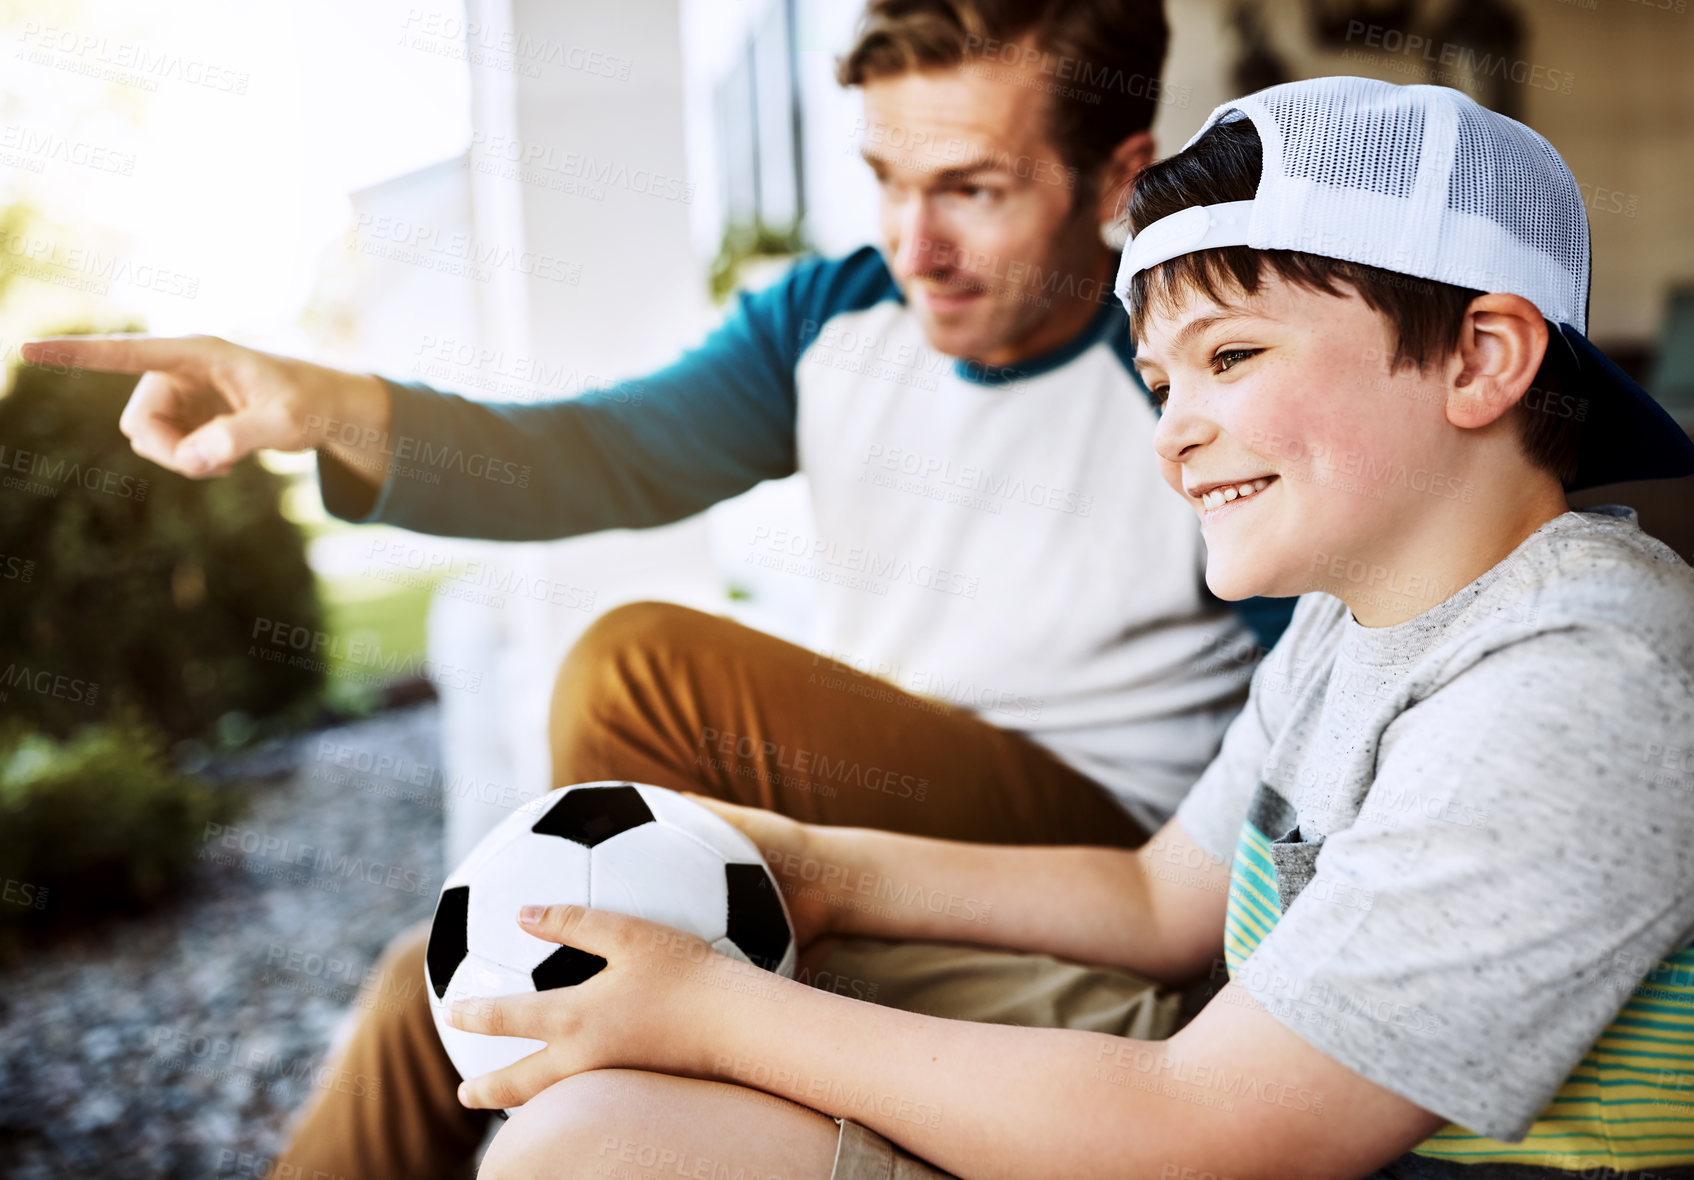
{"x": 1501, "y": 343}
{"x": 1118, "y": 174}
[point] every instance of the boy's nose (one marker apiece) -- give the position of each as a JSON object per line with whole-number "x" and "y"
{"x": 1181, "y": 431}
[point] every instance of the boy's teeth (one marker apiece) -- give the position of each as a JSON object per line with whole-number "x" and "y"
{"x": 1222, "y": 496}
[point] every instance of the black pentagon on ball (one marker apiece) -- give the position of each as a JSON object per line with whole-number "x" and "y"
{"x": 593, "y": 815}
{"x": 566, "y": 967}
{"x": 756, "y": 922}
{"x": 449, "y": 937}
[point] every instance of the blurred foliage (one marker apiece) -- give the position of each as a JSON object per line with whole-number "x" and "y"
{"x": 744, "y": 243}
{"x": 16, "y": 220}
{"x": 394, "y": 623}
{"x": 98, "y": 824}
{"x": 127, "y": 589}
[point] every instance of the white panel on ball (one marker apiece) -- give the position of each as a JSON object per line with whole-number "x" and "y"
{"x": 725, "y": 947}
{"x": 526, "y": 871}
{"x": 673, "y": 808}
{"x": 637, "y": 869}
{"x": 474, "y": 1053}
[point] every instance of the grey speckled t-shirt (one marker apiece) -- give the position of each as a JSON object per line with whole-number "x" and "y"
{"x": 1463, "y": 849}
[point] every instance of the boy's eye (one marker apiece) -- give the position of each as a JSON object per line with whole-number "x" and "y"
{"x": 1161, "y": 394}
{"x": 1230, "y": 357}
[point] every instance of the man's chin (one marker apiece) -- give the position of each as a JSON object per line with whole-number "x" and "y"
{"x": 956, "y": 336}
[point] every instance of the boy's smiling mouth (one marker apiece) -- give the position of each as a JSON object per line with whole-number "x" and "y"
{"x": 1213, "y": 496}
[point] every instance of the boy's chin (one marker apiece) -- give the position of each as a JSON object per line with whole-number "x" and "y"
{"x": 1234, "y": 580}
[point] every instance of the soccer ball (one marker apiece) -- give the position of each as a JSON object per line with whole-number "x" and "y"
{"x": 626, "y": 847}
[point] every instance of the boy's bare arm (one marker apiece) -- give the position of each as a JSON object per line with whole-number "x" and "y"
{"x": 1094, "y": 905}
{"x": 1235, "y": 1093}
{"x": 1157, "y": 911}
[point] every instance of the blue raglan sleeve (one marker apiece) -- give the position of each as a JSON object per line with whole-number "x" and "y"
{"x": 644, "y": 452}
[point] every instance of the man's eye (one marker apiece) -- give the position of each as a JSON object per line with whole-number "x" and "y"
{"x": 1230, "y": 357}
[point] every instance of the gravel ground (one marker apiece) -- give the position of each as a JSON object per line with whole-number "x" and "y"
{"x": 179, "y": 1043}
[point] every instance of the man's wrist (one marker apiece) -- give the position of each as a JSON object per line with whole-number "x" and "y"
{"x": 354, "y": 413}
{"x": 352, "y": 423}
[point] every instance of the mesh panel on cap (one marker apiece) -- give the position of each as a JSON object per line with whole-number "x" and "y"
{"x": 1311, "y": 128}
{"x": 1420, "y": 180}
{"x": 1498, "y": 168}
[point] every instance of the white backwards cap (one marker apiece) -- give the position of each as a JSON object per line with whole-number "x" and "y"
{"x": 1424, "y": 181}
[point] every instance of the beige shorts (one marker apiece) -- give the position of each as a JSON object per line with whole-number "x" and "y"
{"x": 990, "y": 986}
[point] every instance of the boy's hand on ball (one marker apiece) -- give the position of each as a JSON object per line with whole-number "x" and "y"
{"x": 632, "y": 1013}
{"x": 791, "y": 852}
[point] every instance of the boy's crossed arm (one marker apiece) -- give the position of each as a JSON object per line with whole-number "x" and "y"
{"x": 1234, "y": 1093}
{"x": 1157, "y": 910}
{"x": 1143, "y": 911}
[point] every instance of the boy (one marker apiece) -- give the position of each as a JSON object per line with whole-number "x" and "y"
{"x": 1451, "y": 877}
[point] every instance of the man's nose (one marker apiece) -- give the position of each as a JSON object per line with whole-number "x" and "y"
{"x": 922, "y": 248}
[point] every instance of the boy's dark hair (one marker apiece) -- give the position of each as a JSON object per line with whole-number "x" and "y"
{"x": 1104, "y": 58}
{"x": 1224, "y": 165}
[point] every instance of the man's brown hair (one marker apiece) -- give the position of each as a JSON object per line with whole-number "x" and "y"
{"x": 1224, "y": 165}
{"x": 1101, "y": 58}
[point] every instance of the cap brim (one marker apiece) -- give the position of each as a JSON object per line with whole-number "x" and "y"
{"x": 1626, "y": 435}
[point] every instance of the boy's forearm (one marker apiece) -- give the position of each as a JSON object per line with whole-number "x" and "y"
{"x": 1086, "y": 904}
{"x": 977, "y": 1099}
{"x": 1234, "y": 1093}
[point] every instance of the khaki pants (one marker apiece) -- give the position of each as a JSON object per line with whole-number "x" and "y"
{"x": 660, "y": 694}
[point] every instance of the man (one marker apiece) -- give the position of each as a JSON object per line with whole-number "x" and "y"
{"x": 961, "y": 401}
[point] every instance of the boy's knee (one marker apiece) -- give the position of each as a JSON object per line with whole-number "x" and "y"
{"x": 563, "y": 1131}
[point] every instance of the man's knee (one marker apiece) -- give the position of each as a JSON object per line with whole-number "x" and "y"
{"x": 605, "y": 690}
{"x": 616, "y": 643}
{"x": 394, "y": 989}
{"x": 405, "y": 951}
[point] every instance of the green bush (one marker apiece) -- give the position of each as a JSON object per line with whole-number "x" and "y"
{"x": 126, "y": 590}
{"x": 101, "y": 823}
